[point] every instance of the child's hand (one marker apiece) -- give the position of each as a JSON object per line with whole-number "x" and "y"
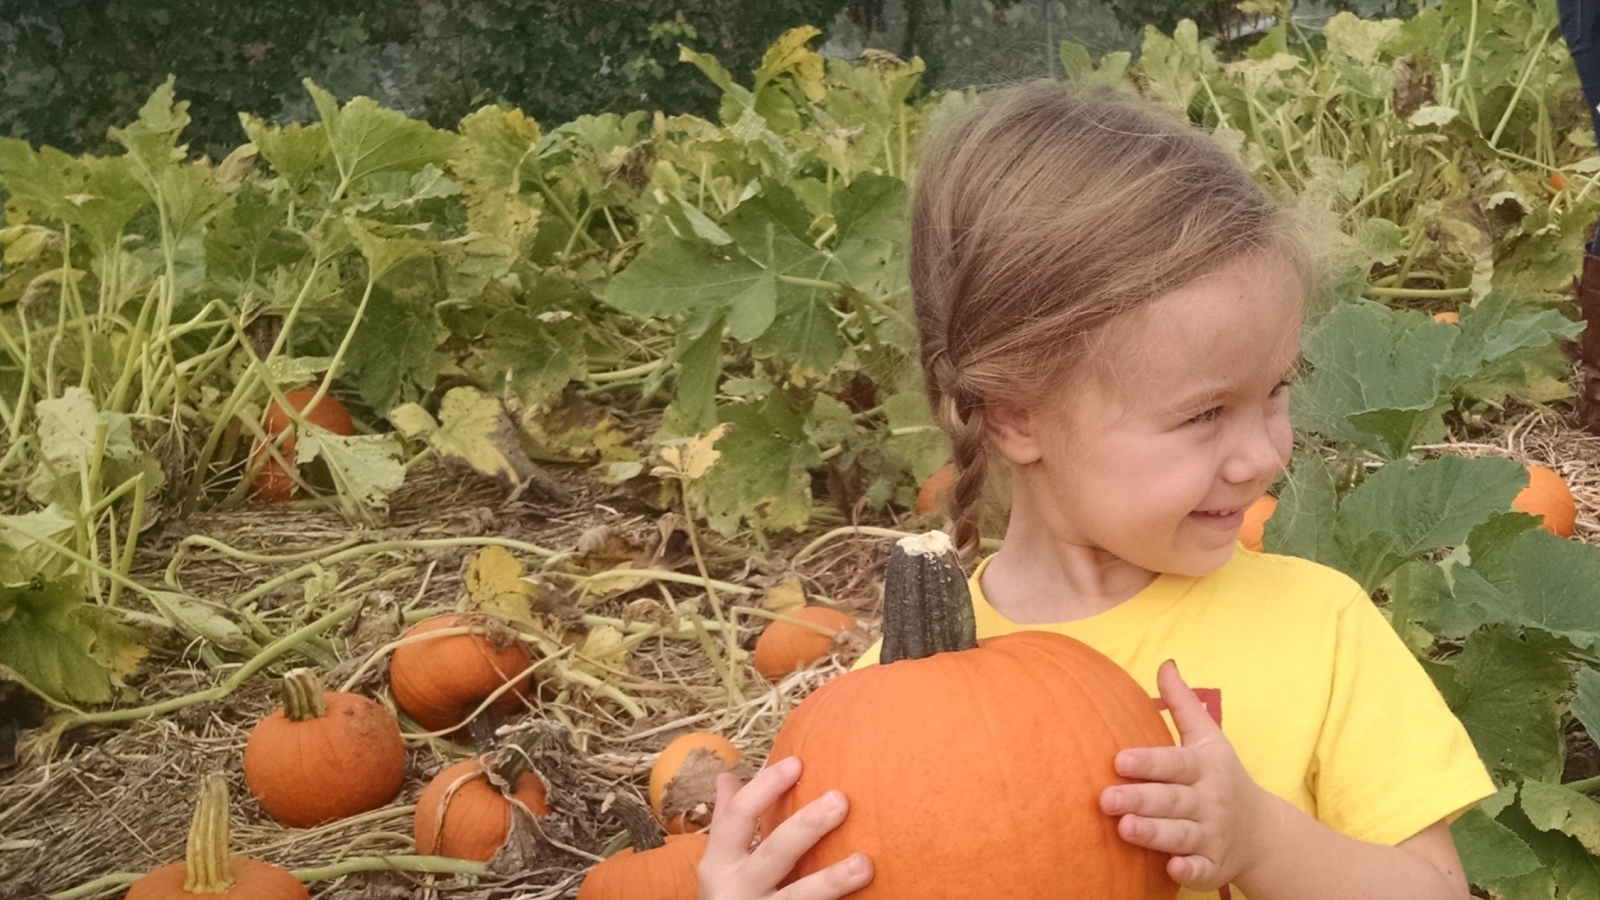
{"x": 730, "y": 870}
{"x": 1201, "y": 805}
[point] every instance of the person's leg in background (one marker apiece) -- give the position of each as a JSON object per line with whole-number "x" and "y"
{"x": 1580, "y": 28}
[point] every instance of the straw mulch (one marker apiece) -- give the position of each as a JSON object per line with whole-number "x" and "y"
{"x": 117, "y": 799}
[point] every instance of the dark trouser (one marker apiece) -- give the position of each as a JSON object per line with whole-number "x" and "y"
{"x": 1580, "y": 27}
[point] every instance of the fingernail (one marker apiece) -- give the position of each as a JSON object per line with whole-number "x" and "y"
{"x": 857, "y": 865}
{"x": 1112, "y": 800}
{"x": 789, "y": 765}
{"x": 836, "y": 801}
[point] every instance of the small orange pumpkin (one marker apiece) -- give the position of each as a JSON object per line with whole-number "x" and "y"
{"x": 440, "y": 681}
{"x": 1548, "y": 497}
{"x": 683, "y": 780}
{"x": 273, "y": 483}
{"x": 1255, "y": 521}
{"x": 654, "y": 868}
{"x": 1449, "y": 315}
{"x": 933, "y": 490}
{"x": 462, "y": 814}
{"x": 784, "y": 646}
{"x": 1027, "y": 722}
{"x": 208, "y": 872}
{"x": 325, "y": 755}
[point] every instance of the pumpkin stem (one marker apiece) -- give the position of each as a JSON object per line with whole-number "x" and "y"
{"x": 642, "y": 827}
{"x": 927, "y": 607}
{"x": 206, "y": 859}
{"x": 302, "y": 695}
{"x": 512, "y": 759}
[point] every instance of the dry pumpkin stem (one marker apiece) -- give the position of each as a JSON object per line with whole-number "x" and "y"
{"x": 927, "y": 607}
{"x": 207, "y": 853}
{"x": 643, "y": 832}
{"x": 302, "y": 695}
{"x": 692, "y": 792}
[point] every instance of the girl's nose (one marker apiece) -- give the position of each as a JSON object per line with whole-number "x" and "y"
{"x": 1259, "y": 449}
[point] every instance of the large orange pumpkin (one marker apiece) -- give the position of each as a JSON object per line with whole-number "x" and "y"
{"x": 208, "y": 871}
{"x": 784, "y": 646}
{"x": 325, "y": 755}
{"x": 462, "y": 814}
{"x": 273, "y": 483}
{"x": 654, "y": 868}
{"x": 994, "y": 754}
{"x": 1548, "y": 497}
{"x": 687, "y": 769}
{"x": 438, "y": 682}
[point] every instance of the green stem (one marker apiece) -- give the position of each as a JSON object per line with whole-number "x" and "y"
{"x": 1419, "y": 293}
{"x": 1516, "y": 95}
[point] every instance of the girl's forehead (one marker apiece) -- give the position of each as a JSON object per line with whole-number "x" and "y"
{"x": 1235, "y": 326}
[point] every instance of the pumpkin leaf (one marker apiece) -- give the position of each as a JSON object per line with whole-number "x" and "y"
{"x": 472, "y": 427}
{"x": 1551, "y": 807}
{"x": 495, "y": 585}
{"x": 366, "y": 468}
{"x": 1504, "y": 690}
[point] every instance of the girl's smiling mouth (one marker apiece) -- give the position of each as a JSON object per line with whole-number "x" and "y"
{"x": 1220, "y": 518}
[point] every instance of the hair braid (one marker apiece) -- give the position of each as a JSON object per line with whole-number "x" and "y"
{"x": 963, "y": 417}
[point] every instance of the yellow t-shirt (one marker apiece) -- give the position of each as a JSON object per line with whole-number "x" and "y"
{"x": 1323, "y": 703}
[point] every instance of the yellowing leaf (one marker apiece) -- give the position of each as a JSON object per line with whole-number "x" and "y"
{"x": 691, "y": 458}
{"x": 784, "y": 596}
{"x": 495, "y": 585}
{"x": 366, "y": 468}
{"x": 604, "y": 650}
{"x": 473, "y": 427}
{"x": 789, "y": 54}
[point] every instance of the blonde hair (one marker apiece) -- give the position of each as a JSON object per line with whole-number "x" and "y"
{"x": 1039, "y": 216}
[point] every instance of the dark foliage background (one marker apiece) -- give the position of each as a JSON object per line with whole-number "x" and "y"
{"x": 70, "y": 69}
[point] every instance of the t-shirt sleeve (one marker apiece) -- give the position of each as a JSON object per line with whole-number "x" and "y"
{"x": 1391, "y": 759}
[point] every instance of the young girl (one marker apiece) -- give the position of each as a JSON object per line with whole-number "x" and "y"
{"x": 1111, "y": 306}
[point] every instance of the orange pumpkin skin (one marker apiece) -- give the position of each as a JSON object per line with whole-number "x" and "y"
{"x": 1449, "y": 316}
{"x": 348, "y": 761}
{"x": 783, "y": 647}
{"x": 1548, "y": 497}
{"x": 272, "y": 483}
{"x": 665, "y": 873}
{"x": 1026, "y": 725}
{"x": 439, "y": 682}
{"x": 477, "y": 817}
{"x": 933, "y": 490}
{"x": 253, "y": 880}
{"x": 1255, "y": 522}
{"x": 672, "y": 758}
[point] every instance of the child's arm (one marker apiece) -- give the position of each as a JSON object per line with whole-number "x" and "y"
{"x": 1221, "y": 827}
{"x": 730, "y": 870}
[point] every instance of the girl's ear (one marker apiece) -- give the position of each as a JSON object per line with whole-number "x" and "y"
{"x": 1013, "y": 430}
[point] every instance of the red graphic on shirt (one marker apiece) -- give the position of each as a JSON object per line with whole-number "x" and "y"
{"x": 1212, "y": 698}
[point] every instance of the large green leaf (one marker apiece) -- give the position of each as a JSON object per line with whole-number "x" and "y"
{"x": 1376, "y": 377}
{"x": 1504, "y": 690}
{"x": 1405, "y": 510}
{"x": 394, "y": 353}
{"x": 1537, "y": 580}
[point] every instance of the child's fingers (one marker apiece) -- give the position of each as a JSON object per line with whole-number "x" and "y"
{"x": 1194, "y": 872}
{"x": 779, "y": 851}
{"x": 1175, "y": 836}
{"x": 1174, "y": 765}
{"x": 739, "y": 809}
{"x": 1154, "y": 800}
{"x": 1188, "y": 713}
{"x": 843, "y": 877}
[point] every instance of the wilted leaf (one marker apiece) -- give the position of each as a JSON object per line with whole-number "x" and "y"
{"x": 495, "y": 585}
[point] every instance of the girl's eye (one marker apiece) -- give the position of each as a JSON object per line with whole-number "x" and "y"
{"x": 1209, "y": 415}
{"x": 1283, "y": 386}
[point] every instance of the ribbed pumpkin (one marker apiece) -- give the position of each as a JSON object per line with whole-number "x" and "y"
{"x": 683, "y": 786}
{"x": 784, "y": 646}
{"x": 325, "y": 755}
{"x": 273, "y": 483}
{"x": 654, "y": 868}
{"x": 209, "y": 871}
{"x": 439, "y": 682}
{"x": 461, "y": 813}
{"x": 996, "y": 755}
{"x": 1255, "y": 522}
{"x": 1548, "y": 497}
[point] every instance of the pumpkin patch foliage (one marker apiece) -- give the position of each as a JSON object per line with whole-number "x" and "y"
{"x": 712, "y": 316}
